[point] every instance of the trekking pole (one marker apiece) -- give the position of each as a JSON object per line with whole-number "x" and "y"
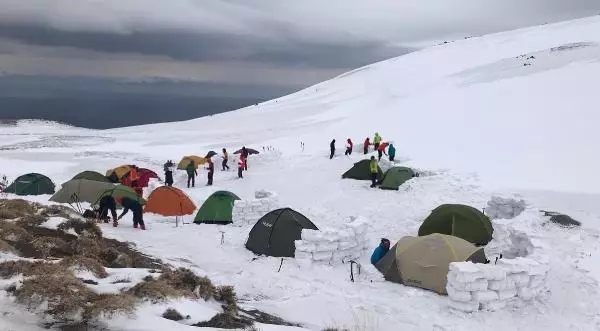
{"x": 280, "y": 265}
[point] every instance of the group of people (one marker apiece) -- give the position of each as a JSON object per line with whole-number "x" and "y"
{"x": 108, "y": 203}
{"x": 378, "y": 146}
{"x": 192, "y": 168}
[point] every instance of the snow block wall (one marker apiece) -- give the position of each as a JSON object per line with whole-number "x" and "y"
{"x": 333, "y": 246}
{"x": 472, "y": 287}
{"x": 250, "y": 211}
{"x": 505, "y": 208}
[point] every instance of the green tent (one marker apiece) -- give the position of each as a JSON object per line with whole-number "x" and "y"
{"x": 31, "y": 184}
{"x": 122, "y": 191}
{"x": 395, "y": 177}
{"x": 460, "y": 221}
{"x": 217, "y": 208}
{"x": 274, "y": 234}
{"x": 361, "y": 171}
{"x": 92, "y": 175}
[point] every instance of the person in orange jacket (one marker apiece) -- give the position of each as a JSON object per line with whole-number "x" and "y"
{"x": 133, "y": 176}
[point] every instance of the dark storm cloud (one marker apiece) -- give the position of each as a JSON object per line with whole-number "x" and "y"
{"x": 198, "y": 46}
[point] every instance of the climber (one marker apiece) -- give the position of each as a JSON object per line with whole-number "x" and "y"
{"x": 380, "y": 251}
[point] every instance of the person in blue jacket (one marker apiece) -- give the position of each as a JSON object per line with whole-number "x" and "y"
{"x": 380, "y": 251}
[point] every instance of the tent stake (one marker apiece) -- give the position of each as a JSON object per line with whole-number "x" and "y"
{"x": 280, "y": 265}
{"x": 223, "y": 239}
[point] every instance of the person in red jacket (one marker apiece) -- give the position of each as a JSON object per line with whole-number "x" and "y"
{"x": 349, "y": 146}
{"x": 241, "y": 166}
{"x": 366, "y": 145}
{"x": 381, "y": 150}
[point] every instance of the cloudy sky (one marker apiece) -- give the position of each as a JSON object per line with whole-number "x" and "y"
{"x": 278, "y": 44}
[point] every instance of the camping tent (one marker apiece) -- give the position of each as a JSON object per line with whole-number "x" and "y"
{"x": 169, "y": 201}
{"x": 92, "y": 175}
{"x": 274, "y": 234}
{"x": 361, "y": 171}
{"x": 198, "y": 160}
{"x": 31, "y": 184}
{"x": 81, "y": 190}
{"x": 395, "y": 177}
{"x": 115, "y": 175}
{"x": 460, "y": 221}
{"x": 424, "y": 261}
{"x": 217, "y": 208}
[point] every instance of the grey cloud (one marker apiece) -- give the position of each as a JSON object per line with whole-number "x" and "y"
{"x": 196, "y": 46}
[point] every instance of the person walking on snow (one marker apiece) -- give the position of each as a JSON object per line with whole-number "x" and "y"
{"x": 376, "y": 140}
{"x": 241, "y": 165}
{"x": 381, "y": 150}
{"x": 211, "y": 171}
{"x": 392, "y": 152}
{"x": 366, "y": 145}
{"x": 225, "y": 159}
{"x": 192, "y": 173}
{"x": 168, "y": 168}
{"x": 332, "y": 148}
{"x": 349, "y": 146}
{"x": 374, "y": 169}
{"x": 138, "y": 212}
{"x": 380, "y": 251}
{"x": 245, "y": 156}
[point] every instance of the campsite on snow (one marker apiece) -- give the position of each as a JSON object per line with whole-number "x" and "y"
{"x": 484, "y": 216}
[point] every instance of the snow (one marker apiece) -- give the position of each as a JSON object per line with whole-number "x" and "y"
{"x": 470, "y": 115}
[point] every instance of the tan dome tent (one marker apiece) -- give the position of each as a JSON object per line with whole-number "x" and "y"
{"x": 424, "y": 261}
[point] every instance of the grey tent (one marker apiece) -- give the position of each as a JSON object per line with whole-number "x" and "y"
{"x": 274, "y": 234}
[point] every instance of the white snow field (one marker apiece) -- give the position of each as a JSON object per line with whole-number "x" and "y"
{"x": 509, "y": 113}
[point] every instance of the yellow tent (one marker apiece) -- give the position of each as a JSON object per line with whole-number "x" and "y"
{"x": 198, "y": 160}
{"x": 117, "y": 173}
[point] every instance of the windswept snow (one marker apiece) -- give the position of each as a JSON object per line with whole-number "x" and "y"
{"x": 501, "y": 114}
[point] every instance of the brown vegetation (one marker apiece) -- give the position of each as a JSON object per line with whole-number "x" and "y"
{"x": 85, "y": 264}
{"x": 110, "y": 305}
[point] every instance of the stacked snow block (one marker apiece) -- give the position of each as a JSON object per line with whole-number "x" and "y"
{"x": 333, "y": 246}
{"x": 250, "y": 211}
{"x": 504, "y": 208}
{"x": 472, "y": 287}
{"x": 510, "y": 243}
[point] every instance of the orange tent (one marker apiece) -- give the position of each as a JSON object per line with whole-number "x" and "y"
{"x": 169, "y": 201}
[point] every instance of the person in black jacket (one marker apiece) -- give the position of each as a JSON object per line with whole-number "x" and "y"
{"x": 211, "y": 171}
{"x": 136, "y": 208}
{"x": 107, "y": 203}
{"x": 332, "y": 148}
{"x": 168, "y": 167}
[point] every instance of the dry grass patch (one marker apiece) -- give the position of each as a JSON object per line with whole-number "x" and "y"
{"x": 48, "y": 246}
{"x": 64, "y": 294}
{"x": 32, "y": 220}
{"x": 110, "y": 305}
{"x": 226, "y": 295}
{"x": 11, "y": 232}
{"x": 6, "y": 247}
{"x": 85, "y": 246}
{"x": 86, "y": 228}
{"x": 84, "y": 263}
{"x": 10, "y": 269}
{"x": 157, "y": 291}
{"x": 186, "y": 281}
{"x": 14, "y": 208}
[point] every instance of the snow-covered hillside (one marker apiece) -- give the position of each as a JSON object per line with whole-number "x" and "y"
{"x": 505, "y": 113}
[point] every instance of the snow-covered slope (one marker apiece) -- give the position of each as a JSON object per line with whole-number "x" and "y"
{"x": 519, "y": 108}
{"x": 515, "y": 110}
